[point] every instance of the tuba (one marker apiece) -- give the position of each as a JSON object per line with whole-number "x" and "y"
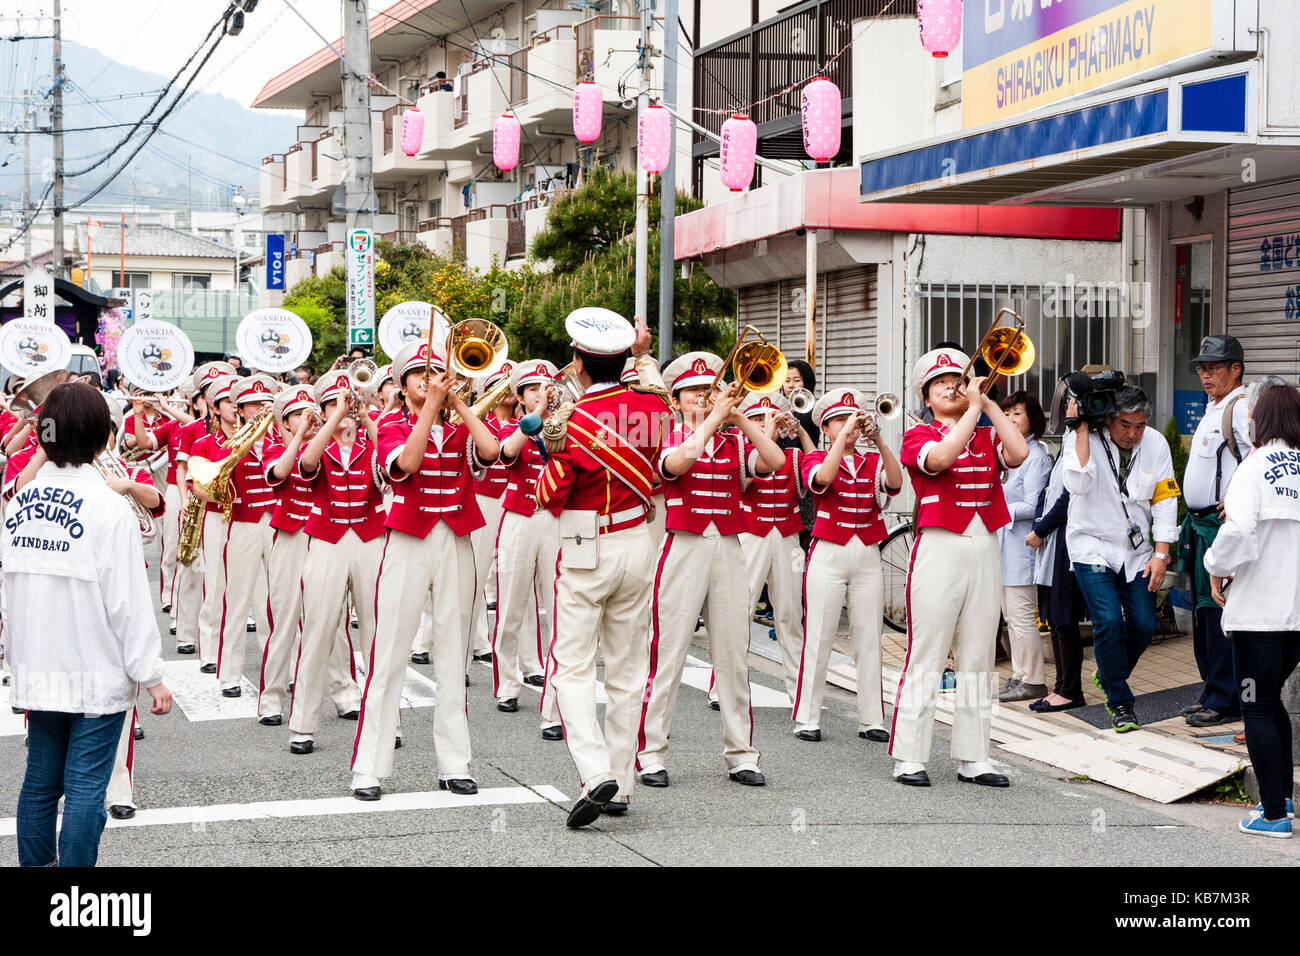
{"x": 34, "y": 393}
{"x": 213, "y": 479}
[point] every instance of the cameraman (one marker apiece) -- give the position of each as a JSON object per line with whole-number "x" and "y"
{"x": 1120, "y": 476}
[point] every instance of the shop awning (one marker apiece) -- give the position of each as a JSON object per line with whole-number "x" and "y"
{"x": 1054, "y": 157}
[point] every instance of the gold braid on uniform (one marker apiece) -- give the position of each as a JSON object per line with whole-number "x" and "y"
{"x": 555, "y": 433}
{"x": 651, "y": 390}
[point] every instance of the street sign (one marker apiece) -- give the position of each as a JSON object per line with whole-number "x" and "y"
{"x": 274, "y": 261}
{"x": 360, "y": 265}
{"x": 38, "y": 295}
{"x": 143, "y": 305}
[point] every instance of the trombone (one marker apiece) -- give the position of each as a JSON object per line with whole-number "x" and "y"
{"x": 474, "y": 348}
{"x": 758, "y": 367}
{"x": 1005, "y": 348}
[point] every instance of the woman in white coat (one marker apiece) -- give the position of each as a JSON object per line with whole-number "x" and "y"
{"x": 1257, "y": 552}
{"x": 1022, "y": 489}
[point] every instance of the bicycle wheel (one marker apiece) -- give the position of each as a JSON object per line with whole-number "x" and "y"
{"x": 895, "y": 558}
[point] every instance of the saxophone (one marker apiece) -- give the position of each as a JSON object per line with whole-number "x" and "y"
{"x": 213, "y": 479}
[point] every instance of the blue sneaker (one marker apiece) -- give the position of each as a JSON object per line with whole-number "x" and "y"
{"x": 1278, "y": 829}
{"x": 1105, "y": 701}
{"x": 1290, "y": 810}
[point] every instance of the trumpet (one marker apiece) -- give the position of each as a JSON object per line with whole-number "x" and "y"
{"x": 363, "y": 375}
{"x": 758, "y": 367}
{"x": 802, "y": 400}
{"x": 886, "y": 406}
{"x": 566, "y": 388}
{"x": 1006, "y": 348}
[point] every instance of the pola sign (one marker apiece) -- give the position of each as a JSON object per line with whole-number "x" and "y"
{"x": 361, "y": 288}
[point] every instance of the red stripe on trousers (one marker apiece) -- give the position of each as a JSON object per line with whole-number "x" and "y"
{"x": 654, "y": 647}
{"x": 221, "y": 632}
{"x": 898, "y": 697}
{"x": 803, "y": 651}
{"x": 496, "y": 618}
{"x": 370, "y": 672}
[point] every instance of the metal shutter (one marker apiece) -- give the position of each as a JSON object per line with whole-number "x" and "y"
{"x": 757, "y": 305}
{"x": 846, "y": 331}
{"x": 1264, "y": 276}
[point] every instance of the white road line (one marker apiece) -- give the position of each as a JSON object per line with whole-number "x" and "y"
{"x": 198, "y": 695}
{"x": 417, "y": 690}
{"x": 11, "y": 724}
{"x": 759, "y": 696}
{"x": 328, "y": 806}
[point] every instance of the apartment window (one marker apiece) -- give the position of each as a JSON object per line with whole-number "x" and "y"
{"x": 1070, "y": 325}
{"x": 133, "y": 280}
{"x": 191, "y": 280}
{"x": 435, "y": 208}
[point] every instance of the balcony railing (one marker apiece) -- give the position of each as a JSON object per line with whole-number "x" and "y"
{"x": 457, "y": 224}
{"x": 403, "y": 237}
{"x": 515, "y": 245}
{"x": 388, "y": 116}
{"x": 768, "y": 57}
{"x": 585, "y": 32}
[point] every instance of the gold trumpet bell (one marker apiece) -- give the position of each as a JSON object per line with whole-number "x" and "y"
{"x": 474, "y": 347}
{"x": 1008, "y": 351}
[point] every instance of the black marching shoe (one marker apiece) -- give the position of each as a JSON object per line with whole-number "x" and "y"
{"x": 120, "y": 811}
{"x": 589, "y": 807}
{"x": 986, "y": 779}
{"x": 419, "y": 657}
{"x": 350, "y": 715}
{"x": 166, "y": 608}
{"x": 184, "y": 648}
{"x": 875, "y": 734}
{"x": 616, "y": 808}
{"x": 235, "y": 691}
{"x": 656, "y": 778}
{"x": 251, "y": 628}
{"x": 461, "y": 785}
{"x": 552, "y": 733}
{"x": 813, "y": 734}
{"x": 918, "y": 779}
{"x": 714, "y": 705}
{"x": 491, "y": 605}
{"x": 172, "y": 631}
{"x": 208, "y": 669}
{"x": 301, "y": 746}
{"x": 750, "y": 778}
{"x": 367, "y": 793}
{"x": 484, "y": 658}
{"x": 397, "y": 743}
{"x": 509, "y": 705}
{"x": 537, "y": 680}
{"x": 271, "y": 720}
{"x": 137, "y": 733}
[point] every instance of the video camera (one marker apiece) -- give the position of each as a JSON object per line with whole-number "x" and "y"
{"x": 1093, "y": 387}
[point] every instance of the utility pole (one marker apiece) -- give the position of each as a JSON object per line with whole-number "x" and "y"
{"x": 642, "y": 177}
{"x": 57, "y": 117}
{"x": 358, "y": 179}
{"x": 668, "y": 193}
{"x": 27, "y": 178}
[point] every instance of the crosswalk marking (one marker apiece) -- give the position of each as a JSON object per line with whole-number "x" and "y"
{"x": 327, "y": 806}
{"x": 198, "y": 695}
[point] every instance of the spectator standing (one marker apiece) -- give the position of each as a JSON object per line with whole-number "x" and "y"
{"x": 1022, "y": 488}
{"x": 80, "y": 631}
{"x": 1123, "y": 496}
{"x": 799, "y": 374}
{"x": 1220, "y": 443}
{"x": 1258, "y": 549}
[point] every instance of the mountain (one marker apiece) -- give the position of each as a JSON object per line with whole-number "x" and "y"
{"x": 226, "y": 144}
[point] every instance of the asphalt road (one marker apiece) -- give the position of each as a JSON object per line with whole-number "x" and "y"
{"x": 828, "y": 803}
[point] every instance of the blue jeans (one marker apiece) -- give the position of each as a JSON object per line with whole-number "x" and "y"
{"x": 1123, "y": 615}
{"x": 71, "y": 756}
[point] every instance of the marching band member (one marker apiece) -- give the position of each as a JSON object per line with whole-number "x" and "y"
{"x": 345, "y": 544}
{"x": 705, "y": 471}
{"x": 426, "y": 552}
{"x": 190, "y": 600}
{"x": 237, "y": 552}
{"x": 954, "y": 464}
{"x": 295, "y": 411}
{"x": 599, "y": 474}
{"x": 770, "y": 543}
{"x": 162, "y": 430}
{"x": 527, "y": 543}
{"x": 647, "y": 373}
{"x": 843, "y": 566}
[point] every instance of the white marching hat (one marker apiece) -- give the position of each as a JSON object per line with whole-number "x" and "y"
{"x": 838, "y": 401}
{"x": 254, "y": 388}
{"x": 937, "y": 362}
{"x": 330, "y": 385}
{"x": 412, "y": 356}
{"x": 219, "y": 387}
{"x": 114, "y": 412}
{"x": 756, "y": 405}
{"x": 291, "y": 400}
{"x": 598, "y": 331}
{"x": 532, "y": 372}
{"x": 693, "y": 368}
{"x": 206, "y": 373}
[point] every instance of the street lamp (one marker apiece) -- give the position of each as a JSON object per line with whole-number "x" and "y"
{"x": 239, "y": 201}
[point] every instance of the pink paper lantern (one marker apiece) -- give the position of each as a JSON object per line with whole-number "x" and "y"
{"x": 587, "y": 108}
{"x": 653, "y": 131}
{"x": 821, "y": 119}
{"x": 940, "y": 25}
{"x": 412, "y": 131}
{"x": 505, "y": 142}
{"x": 739, "y": 144}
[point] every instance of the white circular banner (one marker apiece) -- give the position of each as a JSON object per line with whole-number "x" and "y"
{"x": 32, "y": 347}
{"x": 273, "y": 340}
{"x": 155, "y": 356}
{"x": 408, "y": 321}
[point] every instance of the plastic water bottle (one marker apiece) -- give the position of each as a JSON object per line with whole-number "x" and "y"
{"x": 949, "y": 681}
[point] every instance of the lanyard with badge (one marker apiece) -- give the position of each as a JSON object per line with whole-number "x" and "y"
{"x": 1135, "y": 536}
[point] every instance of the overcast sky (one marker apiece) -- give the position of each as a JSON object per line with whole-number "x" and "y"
{"x": 158, "y": 35}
